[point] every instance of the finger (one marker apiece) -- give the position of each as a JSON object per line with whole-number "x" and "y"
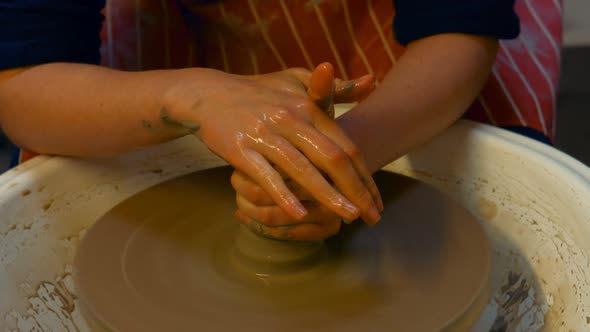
{"x": 333, "y": 131}
{"x": 297, "y": 232}
{"x": 274, "y": 216}
{"x": 258, "y": 168}
{"x": 319, "y": 83}
{"x": 329, "y": 157}
{"x": 283, "y": 174}
{"x": 282, "y": 233}
{"x": 345, "y": 91}
{"x": 321, "y": 90}
{"x": 354, "y": 90}
{"x": 266, "y": 215}
{"x": 324, "y": 89}
{"x": 249, "y": 189}
{"x": 302, "y": 171}
{"x": 321, "y": 87}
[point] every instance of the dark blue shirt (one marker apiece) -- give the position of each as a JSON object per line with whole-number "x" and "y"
{"x": 41, "y": 31}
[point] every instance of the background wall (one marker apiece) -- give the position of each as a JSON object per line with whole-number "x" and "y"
{"x": 573, "y": 110}
{"x": 577, "y": 22}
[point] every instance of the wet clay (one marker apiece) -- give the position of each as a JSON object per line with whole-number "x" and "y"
{"x": 173, "y": 258}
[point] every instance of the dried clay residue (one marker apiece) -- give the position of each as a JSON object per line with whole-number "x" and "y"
{"x": 52, "y": 308}
{"x": 519, "y": 307}
{"x": 47, "y": 205}
{"x": 487, "y": 209}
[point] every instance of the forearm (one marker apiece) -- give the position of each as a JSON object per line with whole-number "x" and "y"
{"x": 428, "y": 89}
{"x": 84, "y": 110}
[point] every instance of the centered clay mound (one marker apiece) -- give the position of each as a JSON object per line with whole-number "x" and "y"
{"x": 173, "y": 258}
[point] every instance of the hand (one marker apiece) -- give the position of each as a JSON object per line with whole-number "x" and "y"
{"x": 253, "y": 121}
{"x": 257, "y": 209}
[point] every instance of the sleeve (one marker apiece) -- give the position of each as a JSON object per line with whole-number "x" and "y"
{"x": 41, "y": 31}
{"x": 416, "y": 19}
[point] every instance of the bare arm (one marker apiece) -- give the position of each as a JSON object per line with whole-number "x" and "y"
{"x": 84, "y": 110}
{"x": 428, "y": 89}
{"x": 250, "y": 121}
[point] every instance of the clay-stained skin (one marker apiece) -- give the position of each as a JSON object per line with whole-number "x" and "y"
{"x": 175, "y": 258}
{"x": 271, "y": 108}
{"x": 171, "y": 122}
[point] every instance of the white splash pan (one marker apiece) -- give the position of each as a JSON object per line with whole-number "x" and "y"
{"x": 533, "y": 200}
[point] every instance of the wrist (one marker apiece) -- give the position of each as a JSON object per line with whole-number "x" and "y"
{"x": 181, "y": 97}
{"x": 354, "y": 127}
{"x": 186, "y": 94}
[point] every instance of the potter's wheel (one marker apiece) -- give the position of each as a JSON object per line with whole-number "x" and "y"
{"x": 173, "y": 258}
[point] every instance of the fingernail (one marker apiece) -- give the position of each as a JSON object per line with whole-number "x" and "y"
{"x": 380, "y": 203}
{"x": 352, "y": 210}
{"x": 347, "y": 221}
{"x": 326, "y": 65}
{"x": 300, "y": 210}
{"x": 374, "y": 215}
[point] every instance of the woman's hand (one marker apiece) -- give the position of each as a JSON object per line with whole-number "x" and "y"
{"x": 255, "y": 122}
{"x": 258, "y": 211}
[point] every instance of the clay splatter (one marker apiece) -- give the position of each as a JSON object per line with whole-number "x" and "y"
{"x": 47, "y": 205}
{"x": 520, "y": 308}
{"x": 487, "y": 208}
{"x": 53, "y": 307}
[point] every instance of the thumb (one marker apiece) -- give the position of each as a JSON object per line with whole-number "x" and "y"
{"x": 321, "y": 87}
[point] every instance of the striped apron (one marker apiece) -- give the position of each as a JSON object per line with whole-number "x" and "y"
{"x": 259, "y": 36}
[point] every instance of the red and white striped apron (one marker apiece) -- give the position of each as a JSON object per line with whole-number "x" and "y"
{"x": 256, "y": 36}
